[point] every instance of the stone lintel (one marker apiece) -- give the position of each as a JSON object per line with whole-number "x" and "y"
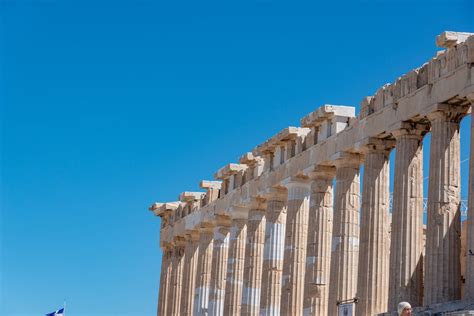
{"x": 285, "y": 135}
{"x": 373, "y": 143}
{"x": 155, "y": 206}
{"x": 449, "y": 39}
{"x": 345, "y": 159}
{"x": 250, "y": 159}
{"x": 191, "y": 196}
{"x": 208, "y": 184}
{"x": 228, "y": 170}
{"x": 326, "y": 112}
{"x": 366, "y": 101}
{"x": 162, "y": 209}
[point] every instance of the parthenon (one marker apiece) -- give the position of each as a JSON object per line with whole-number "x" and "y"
{"x": 290, "y": 230}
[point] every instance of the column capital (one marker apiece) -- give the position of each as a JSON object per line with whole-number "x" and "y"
{"x": 279, "y": 194}
{"x": 470, "y": 97}
{"x": 222, "y": 220}
{"x": 166, "y": 245}
{"x": 239, "y": 222}
{"x": 299, "y": 180}
{"x": 206, "y": 228}
{"x": 238, "y": 212}
{"x": 373, "y": 144}
{"x": 255, "y": 203}
{"x": 411, "y": 129}
{"x": 323, "y": 172}
{"x": 179, "y": 241}
{"x": 345, "y": 159}
{"x": 446, "y": 112}
{"x": 192, "y": 235}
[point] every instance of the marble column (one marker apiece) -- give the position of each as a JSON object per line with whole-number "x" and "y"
{"x": 177, "y": 276}
{"x": 469, "y": 286}
{"x": 443, "y": 244}
{"x": 254, "y": 259}
{"x": 219, "y": 266}
{"x": 273, "y": 253}
{"x": 165, "y": 281}
{"x": 406, "y": 242}
{"x": 191, "y": 253}
{"x": 235, "y": 267}
{"x": 345, "y": 241}
{"x": 374, "y": 248}
{"x": 318, "y": 256}
{"x": 204, "y": 268}
{"x": 296, "y": 238}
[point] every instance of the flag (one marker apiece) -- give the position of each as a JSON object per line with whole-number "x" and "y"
{"x": 59, "y": 312}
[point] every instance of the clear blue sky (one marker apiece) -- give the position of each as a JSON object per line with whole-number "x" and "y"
{"x": 108, "y": 106}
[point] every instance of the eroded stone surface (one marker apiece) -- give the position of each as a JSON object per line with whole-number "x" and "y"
{"x": 436, "y": 95}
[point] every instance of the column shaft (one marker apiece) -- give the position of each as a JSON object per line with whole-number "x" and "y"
{"x": 345, "y": 242}
{"x": 469, "y": 287}
{"x": 372, "y": 282}
{"x": 406, "y": 268}
{"x": 177, "y": 278}
{"x": 219, "y": 270}
{"x": 165, "y": 280}
{"x": 273, "y": 257}
{"x": 443, "y": 244}
{"x": 204, "y": 268}
{"x": 191, "y": 252}
{"x": 318, "y": 256}
{"x": 253, "y": 262}
{"x": 295, "y": 248}
{"x": 235, "y": 267}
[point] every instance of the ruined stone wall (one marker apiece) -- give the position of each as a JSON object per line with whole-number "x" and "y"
{"x": 271, "y": 236}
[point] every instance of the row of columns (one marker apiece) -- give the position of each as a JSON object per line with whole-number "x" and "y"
{"x": 296, "y": 251}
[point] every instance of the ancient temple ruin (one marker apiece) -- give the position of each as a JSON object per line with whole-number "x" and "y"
{"x": 289, "y": 230}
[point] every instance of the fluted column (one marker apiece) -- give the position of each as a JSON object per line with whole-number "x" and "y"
{"x": 318, "y": 256}
{"x": 165, "y": 281}
{"x": 406, "y": 268}
{"x": 235, "y": 267}
{"x": 177, "y": 276}
{"x": 254, "y": 259}
{"x": 443, "y": 244}
{"x": 296, "y": 238}
{"x": 374, "y": 249}
{"x": 204, "y": 268}
{"x": 219, "y": 266}
{"x": 191, "y": 252}
{"x": 469, "y": 287}
{"x": 273, "y": 253}
{"x": 345, "y": 241}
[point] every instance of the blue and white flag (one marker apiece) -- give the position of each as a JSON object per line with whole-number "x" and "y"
{"x": 59, "y": 312}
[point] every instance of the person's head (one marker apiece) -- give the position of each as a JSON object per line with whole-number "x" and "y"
{"x": 404, "y": 309}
